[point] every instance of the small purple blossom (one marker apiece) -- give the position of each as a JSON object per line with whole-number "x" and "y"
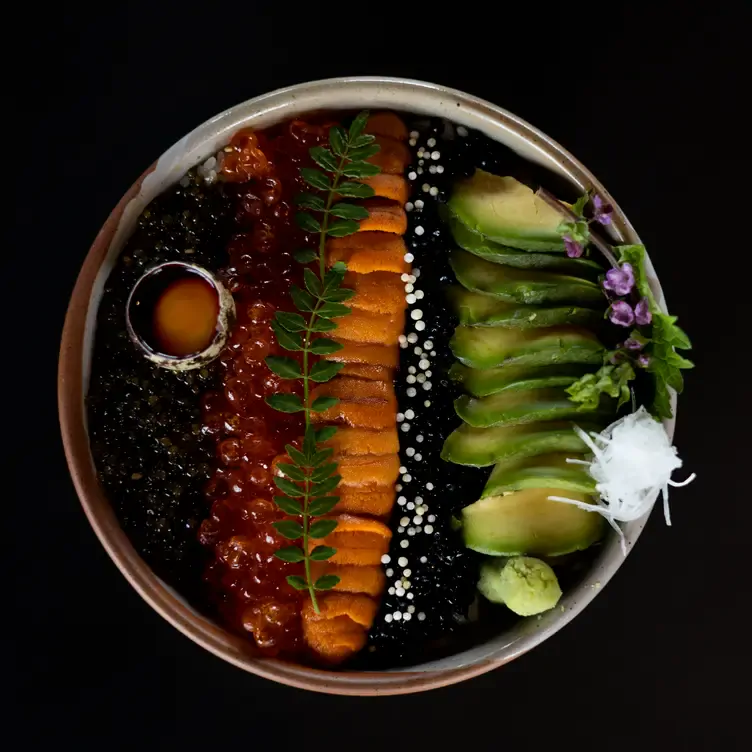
{"x": 643, "y": 361}
{"x": 602, "y": 211}
{"x": 621, "y": 313}
{"x": 633, "y": 344}
{"x": 574, "y": 249}
{"x": 642, "y": 312}
{"x": 620, "y": 281}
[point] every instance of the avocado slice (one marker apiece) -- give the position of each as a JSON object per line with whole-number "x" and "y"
{"x": 514, "y": 408}
{"x": 479, "y": 447}
{"x": 479, "y": 309}
{"x": 542, "y": 471}
{"x": 478, "y": 245}
{"x": 487, "y": 347}
{"x": 507, "y": 212}
{"x": 526, "y": 522}
{"x": 481, "y": 382}
{"x": 527, "y": 286}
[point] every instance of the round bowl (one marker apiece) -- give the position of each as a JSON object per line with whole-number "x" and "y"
{"x": 77, "y": 342}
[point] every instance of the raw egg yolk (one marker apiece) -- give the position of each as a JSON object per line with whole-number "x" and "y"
{"x": 185, "y": 317}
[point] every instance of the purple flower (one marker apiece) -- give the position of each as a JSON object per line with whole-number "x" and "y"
{"x": 621, "y": 313}
{"x": 632, "y": 344}
{"x": 620, "y": 281}
{"x": 642, "y": 312}
{"x": 643, "y": 361}
{"x": 574, "y": 249}
{"x": 602, "y": 211}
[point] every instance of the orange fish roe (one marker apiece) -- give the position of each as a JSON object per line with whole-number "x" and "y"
{"x": 247, "y": 581}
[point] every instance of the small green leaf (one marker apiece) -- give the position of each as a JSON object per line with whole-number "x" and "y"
{"x": 315, "y": 178}
{"x": 326, "y": 582}
{"x": 291, "y": 471}
{"x": 302, "y": 299}
{"x": 362, "y": 140}
{"x": 678, "y": 338}
{"x": 333, "y": 279}
{"x": 286, "y": 339}
{"x": 675, "y": 380}
{"x": 312, "y": 282}
{"x": 321, "y": 456}
{"x": 323, "y": 325}
{"x": 288, "y": 505}
{"x": 349, "y": 211}
{"x": 297, "y": 582}
{"x": 287, "y": 368}
{"x": 322, "y": 553}
{"x": 338, "y": 140}
{"x": 323, "y": 158}
{"x": 307, "y": 222}
{"x": 677, "y": 361}
{"x": 360, "y": 170}
{"x": 339, "y": 296}
{"x": 309, "y": 442}
{"x": 305, "y": 255}
{"x": 333, "y": 310}
{"x": 289, "y": 528}
{"x": 322, "y": 505}
{"x": 292, "y": 322}
{"x": 324, "y": 471}
{"x": 325, "y": 370}
{"x": 323, "y": 403}
{"x": 288, "y": 487}
{"x": 342, "y": 227}
{"x": 339, "y": 267}
{"x": 355, "y": 190}
{"x": 296, "y": 455}
{"x": 363, "y": 152}
{"x": 321, "y": 528}
{"x": 293, "y": 554}
{"x": 326, "y": 486}
{"x": 579, "y": 206}
{"x": 310, "y": 201}
{"x": 285, "y": 403}
{"x": 325, "y": 433}
{"x": 661, "y": 407}
{"x": 358, "y": 124}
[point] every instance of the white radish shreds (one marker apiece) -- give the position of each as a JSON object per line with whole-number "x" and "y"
{"x": 632, "y": 463}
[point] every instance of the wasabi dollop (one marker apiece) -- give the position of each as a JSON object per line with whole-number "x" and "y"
{"x": 525, "y": 585}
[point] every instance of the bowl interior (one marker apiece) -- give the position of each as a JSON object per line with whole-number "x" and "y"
{"x": 199, "y": 144}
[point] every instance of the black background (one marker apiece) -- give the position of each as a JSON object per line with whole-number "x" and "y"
{"x": 650, "y": 101}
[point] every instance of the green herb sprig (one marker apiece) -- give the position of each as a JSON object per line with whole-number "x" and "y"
{"x": 652, "y": 344}
{"x": 660, "y": 340}
{"x": 308, "y": 480}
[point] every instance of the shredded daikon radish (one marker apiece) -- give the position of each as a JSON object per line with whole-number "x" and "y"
{"x": 632, "y": 463}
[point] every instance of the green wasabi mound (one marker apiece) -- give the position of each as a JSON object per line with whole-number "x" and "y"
{"x": 525, "y": 585}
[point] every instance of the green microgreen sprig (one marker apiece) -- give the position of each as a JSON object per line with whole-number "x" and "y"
{"x": 308, "y": 480}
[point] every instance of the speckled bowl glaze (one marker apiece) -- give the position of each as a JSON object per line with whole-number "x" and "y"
{"x": 77, "y": 342}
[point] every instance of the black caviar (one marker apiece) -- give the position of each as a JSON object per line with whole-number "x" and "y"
{"x": 144, "y": 421}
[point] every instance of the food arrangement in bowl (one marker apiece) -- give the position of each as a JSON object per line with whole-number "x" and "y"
{"x": 368, "y": 387}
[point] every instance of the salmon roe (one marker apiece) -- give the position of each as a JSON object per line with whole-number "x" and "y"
{"x": 247, "y": 580}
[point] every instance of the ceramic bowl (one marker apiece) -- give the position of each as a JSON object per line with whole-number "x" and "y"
{"x": 77, "y": 342}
